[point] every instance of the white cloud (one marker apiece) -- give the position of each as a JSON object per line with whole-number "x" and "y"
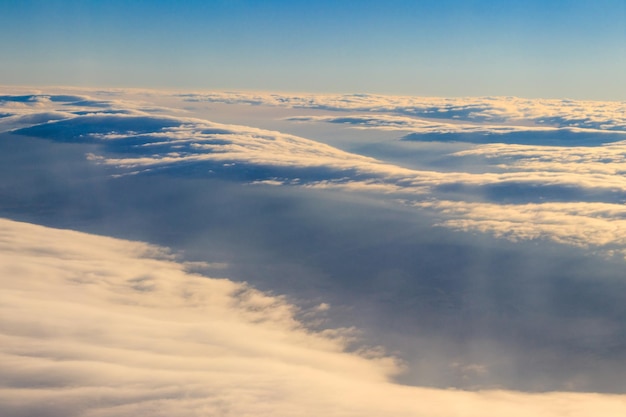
{"x": 608, "y": 159}
{"x": 94, "y": 326}
{"x": 429, "y": 126}
{"x": 174, "y": 142}
{"x": 134, "y": 141}
{"x": 580, "y": 224}
{"x": 510, "y": 110}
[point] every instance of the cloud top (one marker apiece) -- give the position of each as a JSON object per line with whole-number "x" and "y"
{"x": 526, "y": 156}
{"x": 511, "y": 110}
{"x": 95, "y": 326}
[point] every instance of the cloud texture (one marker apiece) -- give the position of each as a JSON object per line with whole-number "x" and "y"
{"x": 517, "y": 166}
{"x": 307, "y": 205}
{"x": 94, "y": 326}
{"x": 512, "y": 110}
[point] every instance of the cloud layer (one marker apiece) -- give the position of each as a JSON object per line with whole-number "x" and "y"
{"x": 94, "y": 326}
{"x": 344, "y": 217}
{"x": 510, "y": 110}
{"x": 518, "y": 166}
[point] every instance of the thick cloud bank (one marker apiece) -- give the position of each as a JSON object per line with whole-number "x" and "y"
{"x": 94, "y": 326}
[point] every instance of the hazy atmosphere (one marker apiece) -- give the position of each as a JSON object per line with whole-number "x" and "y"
{"x": 230, "y": 208}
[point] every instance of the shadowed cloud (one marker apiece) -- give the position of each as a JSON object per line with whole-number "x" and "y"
{"x": 518, "y": 289}
{"x": 101, "y": 327}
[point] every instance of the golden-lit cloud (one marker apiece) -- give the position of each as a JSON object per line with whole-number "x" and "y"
{"x": 96, "y": 326}
{"x": 503, "y": 110}
{"x": 588, "y": 225}
{"x": 136, "y": 136}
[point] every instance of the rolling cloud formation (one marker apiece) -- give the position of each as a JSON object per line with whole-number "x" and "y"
{"x": 95, "y": 326}
{"x": 481, "y": 240}
{"x": 539, "y": 157}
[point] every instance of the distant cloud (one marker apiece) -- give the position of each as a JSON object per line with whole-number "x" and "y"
{"x": 580, "y": 224}
{"x": 606, "y": 159}
{"x": 133, "y": 139}
{"x": 95, "y": 326}
{"x": 512, "y": 110}
{"x": 416, "y": 129}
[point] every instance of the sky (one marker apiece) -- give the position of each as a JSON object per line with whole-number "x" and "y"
{"x": 557, "y": 49}
{"x": 279, "y": 208}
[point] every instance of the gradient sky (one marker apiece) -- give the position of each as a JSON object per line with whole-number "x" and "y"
{"x": 531, "y": 48}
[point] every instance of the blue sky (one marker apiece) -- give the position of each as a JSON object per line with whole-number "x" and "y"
{"x": 573, "y": 49}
